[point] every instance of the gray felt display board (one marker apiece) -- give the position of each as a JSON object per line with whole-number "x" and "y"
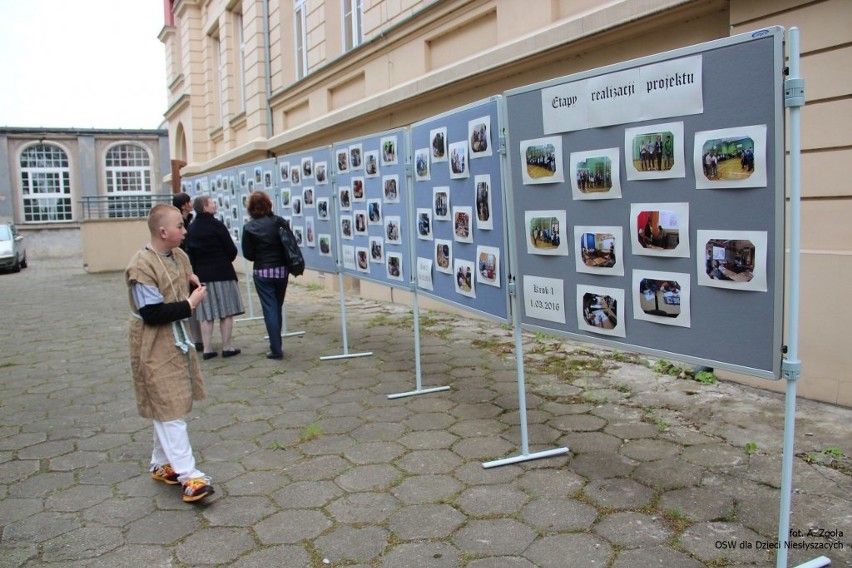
{"x": 305, "y": 198}
{"x": 222, "y": 188}
{"x": 738, "y": 326}
{"x": 372, "y": 208}
{"x": 459, "y": 217}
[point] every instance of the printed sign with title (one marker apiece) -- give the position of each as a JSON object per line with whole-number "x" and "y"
{"x": 661, "y": 90}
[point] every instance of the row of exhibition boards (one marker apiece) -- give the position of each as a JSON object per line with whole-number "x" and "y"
{"x": 639, "y": 206}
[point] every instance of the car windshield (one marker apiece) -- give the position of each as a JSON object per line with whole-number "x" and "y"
{"x": 5, "y": 233}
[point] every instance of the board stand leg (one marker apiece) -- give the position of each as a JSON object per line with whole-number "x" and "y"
{"x": 794, "y": 98}
{"x": 522, "y": 397}
{"x": 346, "y": 354}
{"x": 249, "y": 300}
{"x": 418, "y": 370}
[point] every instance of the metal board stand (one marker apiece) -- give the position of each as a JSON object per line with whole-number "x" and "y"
{"x": 249, "y": 301}
{"x": 794, "y": 99}
{"x": 522, "y": 397}
{"x": 346, "y": 354}
{"x": 419, "y": 380}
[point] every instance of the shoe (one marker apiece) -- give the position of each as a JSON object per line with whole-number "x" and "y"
{"x": 272, "y": 355}
{"x": 196, "y": 489}
{"x": 199, "y": 347}
{"x": 231, "y": 352}
{"x": 166, "y": 474}
{"x": 210, "y": 355}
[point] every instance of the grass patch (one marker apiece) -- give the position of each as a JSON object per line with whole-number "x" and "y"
{"x": 750, "y": 448}
{"x": 310, "y": 432}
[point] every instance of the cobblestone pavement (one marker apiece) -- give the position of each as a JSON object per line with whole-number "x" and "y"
{"x": 314, "y": 465}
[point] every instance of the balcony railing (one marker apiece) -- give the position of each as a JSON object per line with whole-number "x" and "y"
{"x": 121, "y": 206}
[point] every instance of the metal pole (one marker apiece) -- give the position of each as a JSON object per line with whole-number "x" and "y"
{"x": 794, "y": 99}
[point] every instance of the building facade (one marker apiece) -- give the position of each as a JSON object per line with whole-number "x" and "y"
{"x": 254, "y": 78}
{"x": 52, "y": 180}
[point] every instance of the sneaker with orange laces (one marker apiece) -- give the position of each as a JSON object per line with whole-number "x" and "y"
{"x": 166, "y": 474}
{"x": 196, "y": 489}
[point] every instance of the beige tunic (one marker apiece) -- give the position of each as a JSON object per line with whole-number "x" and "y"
{"x": 165, "y": 387}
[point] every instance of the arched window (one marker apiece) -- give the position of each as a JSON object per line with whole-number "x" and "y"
{"x": 45, "y": 184}
{"x": 128, "y": 180}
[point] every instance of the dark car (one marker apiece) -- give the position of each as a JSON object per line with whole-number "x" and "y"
{"x": 13, "y": 253}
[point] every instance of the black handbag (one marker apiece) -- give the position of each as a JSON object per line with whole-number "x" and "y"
{"x": 292, "y": 252}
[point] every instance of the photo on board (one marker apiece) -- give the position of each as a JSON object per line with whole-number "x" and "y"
{"x": 660, "y": 229}
{"x": 541, "y": 161}
{"x": 730, "y": 158}
{"x": 458, "y": 160}
{"x": 488, "y": 265}
{"x": 362, "y": 259}
{"x": 345, "y": 196}
{"x": 342, "y": 161}
{"x": 654, "y": 151}
{"x": 661, "y": 297}
{"x": 482, "y": 183}
{"x": 544, "y": 233}
{"x": 463, "y": 224}
{"x": 377, "y": 247}
{"x": 599, "y": 310}
{"x": 296, "y": 175}
{"x": 307, "y": 167}
{"x": 735, "y": 260}
{"x": 356, "y": 161}
{"x": 346, "y": 231}
{"x": 310, "y": 235}
{"x": 325, "y": 244}
{"x": 421, "y": 164}
{"x": 321, "y": 171}
{"x": 443, "y": 256}
{"x": 424, "y": 224}
{"x": 374, "y": 211}
{"x": 438, "y": 142}
{"x": 390, "y": 185}
{"x": 479, "y": 136}
{"x": 322, "y": 208}
{"x": 389, "y": 151}
{"x": 464, "y": 280}
{"x": 393, "y": 231}
{"x": 394, "y": 266}
{"x": 598, "y": 250}
{"x": 371, "y": 163}
{"x": 594, "y": 174}
{"x": 441, "y": 199}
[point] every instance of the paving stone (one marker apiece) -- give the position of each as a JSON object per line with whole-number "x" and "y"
{"x": 82, "y": 543}
{"x": 374, "y": 452}
{"x": 649, "y": 450}
{"x": 668, "y": 474}
{"x": 714, "y": 455}
{"x": 110, "y": 473}
{"x": 131, "y": 556}
{"x": 586, "y": 442}
{"x": 486, "y": 448}
{"x": 558, "y": 515}
{"x": 369, "y": 477}
{"x": 18, "y": 470}
{"x": 599, "y": 465}
{"x": 501, "y": 562}
{"x": 701, "y": 540}
{"x": 424, "y": 462}
{"x": 327, "y": 445}
{"x": 563, "y": 550}
{"x": 422, "y": 555}
{"x": 698, "y": 504}
{"x": 429, "y": 521}
{"x": 117, "y": 512}
{"x": 162, "y": 527}
{"x": 290, "y": 527}
{"x": 429, "y": 421}
{"x": 270, "y": 459}
{"x": 38, "y": 528}
{"x": 660, "y": 557}
{"x": 618, "y": 493}
{"x": 550, "y": 483}
{"x": 41, "y": 485}
{"x": 282, "y": 555}
{"x": 428, "y": 440}
{"x": 419, "y": 489}
{"x": 257, "y": 483}
{"x": 356, "y": 508}
{"x": 491, "y": 500}
{"x": 352, "y": 544}
{"x": 633, "y": 431}
{"x": 495, "y": 537}
{"x": 473, "y": 473}
{"x": 306, "y": 494}
{"x": 378, "y": 432}
{"x": 239, "y": 511}
{"x": 631, "y": 530}
{"x": 76, "y": 498}
{"x": 316, "y": 468}
{"x": 577, "y": 423}
{"x": 219, "y": 546}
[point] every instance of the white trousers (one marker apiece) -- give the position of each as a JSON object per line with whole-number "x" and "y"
{"x": 171, "y": 446}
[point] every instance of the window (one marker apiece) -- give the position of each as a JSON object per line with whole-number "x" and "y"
{"x": 128, "y": 181}
{"x": 241, "y": 61}
{"x": 352, "y": 17}
{"x": 45, "y": 184}
{"x": 301, "y": 37}
{"x": 221, "y": 59}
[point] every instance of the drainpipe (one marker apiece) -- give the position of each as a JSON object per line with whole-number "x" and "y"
{"x": 267, "y": 70}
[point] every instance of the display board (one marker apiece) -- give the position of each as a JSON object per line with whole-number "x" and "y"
{"x": 372, "y": 208}
{"x": 222, "y": 188}
{"x": 458, "y": 208}
{"x": 306, "y": 200}
{"x": 648, "y": 204}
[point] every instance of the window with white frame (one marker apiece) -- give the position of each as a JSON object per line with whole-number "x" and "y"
{"x": 128, "y": 180}
{"x": 241, "y": 61}
{"x": 221, "y": 59}
{"x": 45, "y": 184}
{"x": 352, "y": 17}
{"x": 301, "y": 37}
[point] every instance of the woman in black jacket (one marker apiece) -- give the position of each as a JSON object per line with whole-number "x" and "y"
{"x": 262, "y": 245}
{"x": 212, "y": 252}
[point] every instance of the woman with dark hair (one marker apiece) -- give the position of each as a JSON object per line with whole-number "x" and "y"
{"x": 212, "y": 252}
{"x": 262, "y": 245}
